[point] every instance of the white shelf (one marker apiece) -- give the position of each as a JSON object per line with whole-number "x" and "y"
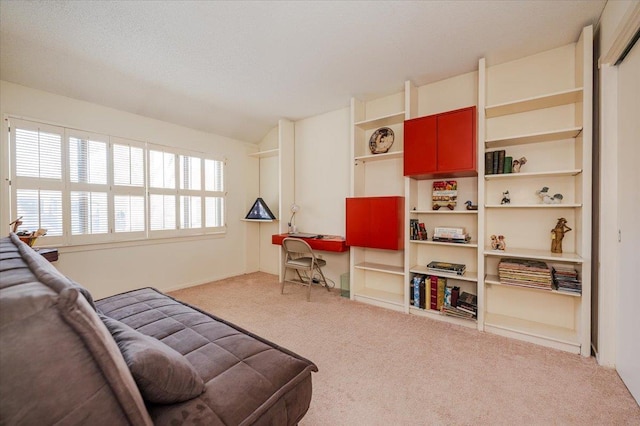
{"x": 259, "y": 220}
{"x": 468, "y": 275}
{"x": 265, "y": 154}
{"x": 436, "y": 315}
{"x": 564, "y": 97}
{"x": 386, "y": 120}
{"x": 534, "y": 254}
{"x": 380, "y": 296}
{"x": 494, "y": 280}
{"x": 471, "y": 244}
{"x": 379, "y": 267}
{"x": 534, "y": 329}
{"x": 533, "y": 206}
{"x": 378, "y": 157}
{"x": 553, "y": 173}
{"x": 554, "y": 135}
{"x": 447, "y": 211}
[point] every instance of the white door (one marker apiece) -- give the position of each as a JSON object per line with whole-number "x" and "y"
{"x": 628, "y": 338}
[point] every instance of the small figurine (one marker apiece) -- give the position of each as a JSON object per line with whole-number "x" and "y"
{"x": 16, "y": 224}
{"x": 471, "y": 206}
{"x": 518, "y": 163}
{"x": 502, "y": 244}
{"x": 494, "y": 242}
{"x": 557, "y": 234}
{"x": 506, "y": 198}
{"x": 546, "y": 198}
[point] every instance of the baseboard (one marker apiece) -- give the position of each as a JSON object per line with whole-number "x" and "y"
{"x": 207, "y": 281}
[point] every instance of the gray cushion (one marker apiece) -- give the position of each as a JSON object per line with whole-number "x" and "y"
{"x": 162, "y": 374}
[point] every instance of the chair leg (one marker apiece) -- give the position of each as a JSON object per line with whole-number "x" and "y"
{"x": 326, "y": 285}
{"x": 284, "y": 274}
{"x": 309, "y": 290}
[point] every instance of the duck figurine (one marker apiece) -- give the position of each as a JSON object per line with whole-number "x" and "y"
{"x": 471, "y": 206}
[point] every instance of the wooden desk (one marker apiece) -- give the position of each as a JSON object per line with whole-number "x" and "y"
{"x": 328, "y": 243}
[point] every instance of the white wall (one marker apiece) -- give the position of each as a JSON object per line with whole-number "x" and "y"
{"x": 107, "y": 270}
{"x": 322, "y": 181}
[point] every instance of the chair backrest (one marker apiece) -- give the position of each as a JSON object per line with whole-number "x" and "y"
{"x": 295, "y": 247}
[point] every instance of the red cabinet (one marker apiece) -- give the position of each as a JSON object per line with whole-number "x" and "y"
{"x": 441, "y": 144}
{"x": 376, "y": 222}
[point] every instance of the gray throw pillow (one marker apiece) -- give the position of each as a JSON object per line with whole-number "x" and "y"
{"x": 162, "y": 374}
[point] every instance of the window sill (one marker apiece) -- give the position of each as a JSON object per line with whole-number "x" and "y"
{"x": 108, "y": 245}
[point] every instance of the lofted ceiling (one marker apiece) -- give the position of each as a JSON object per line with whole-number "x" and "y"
{"x": 235, "y": 67}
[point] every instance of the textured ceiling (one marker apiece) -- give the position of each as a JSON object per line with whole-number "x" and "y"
{"x": 235, "y": 68}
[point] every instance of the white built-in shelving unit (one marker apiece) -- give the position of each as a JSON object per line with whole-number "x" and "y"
{"x": 539, "y": 107}
{"x": 550, "y": 125}
{"x": 378, "y": 276}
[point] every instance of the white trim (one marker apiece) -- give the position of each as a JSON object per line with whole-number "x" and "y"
{"x": 627, "y": 29}
{"x": 608, "y": 256}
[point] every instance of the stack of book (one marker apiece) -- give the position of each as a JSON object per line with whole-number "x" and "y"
{"x": 566, "y": 279}
{"x": 447, "y": 268}
{"x": 525, "y": 273}
{"x": 465, "y": 307}
{"x": 450, "y": 307}
{"x": 417, "y": 230}
{"x": 450, "y": 235}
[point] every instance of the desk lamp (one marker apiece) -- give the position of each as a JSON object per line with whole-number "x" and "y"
{"x": 294, "y": 209}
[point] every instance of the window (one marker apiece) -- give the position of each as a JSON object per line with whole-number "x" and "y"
{"x": 214, "y": 193}
{"x": 85, "y": 187}
{"x": 88, "y": 186}
{"x": 129, "y": 214}
{"x": 162, "y": 190}
{"x": 37, "y": 178}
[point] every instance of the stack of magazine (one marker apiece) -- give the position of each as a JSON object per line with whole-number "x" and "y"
{"x": 566, "y": 279}
{"x": 446, "y": 267}
{"x": 525, "y": 273}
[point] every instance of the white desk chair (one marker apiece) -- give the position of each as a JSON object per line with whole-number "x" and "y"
{"x": 299, "y": 256}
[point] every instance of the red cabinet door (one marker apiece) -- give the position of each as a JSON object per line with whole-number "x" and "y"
{"x": 457, "y": 141}
{"x": 357, "y": 221}
{"x": 420, "y": 145}
{"x": 375, "y": 222}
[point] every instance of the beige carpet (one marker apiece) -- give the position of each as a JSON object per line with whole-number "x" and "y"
{"x": 379, "y": 367}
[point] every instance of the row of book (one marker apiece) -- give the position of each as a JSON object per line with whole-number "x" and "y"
{"x": 565, "y": 278}
{"x": 417, "y": 230}
{"x": 525, "y": 273}
{"x": 496, "y": 162}
{"x": 432, "y": 292}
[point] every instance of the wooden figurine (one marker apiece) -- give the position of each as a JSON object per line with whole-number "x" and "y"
{"x": 494, "y": 242}
{"x": 502, "y": 243}
{"x": 557, "y": 234}
{"x": 506, "y": 198}
{"x": 515, "y": 168}
{"x": 471, "y": 206}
